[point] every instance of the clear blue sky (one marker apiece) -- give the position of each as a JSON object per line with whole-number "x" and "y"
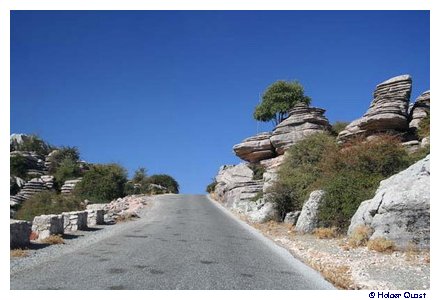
{"x": 174, "y": 91}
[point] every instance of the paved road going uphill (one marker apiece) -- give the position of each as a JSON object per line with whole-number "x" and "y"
{"x": 182, "y": 242}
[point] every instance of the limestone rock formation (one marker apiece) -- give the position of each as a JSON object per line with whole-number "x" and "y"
{"x": 400, "y": 210}
{"x": 48, "y": 181}
{"x": 420, "y": 109}
{"x": 33, "y": 161}
{"x": 292, "y": 217}
{"x": 266, "y": 212}
{"x": 308, "y": 219}
{"x": 271, "y": 167}
{"x": 255, "y": 148}
{"x": 302, "y": 122}
{"x": 387, "y": 111}
{"x": 32, "y": 187}
{"x": 69, "y": 185}
{"x": 46, "y": 225}
{"x": 20, "y": 232}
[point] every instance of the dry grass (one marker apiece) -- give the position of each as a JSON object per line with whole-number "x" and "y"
{"x": 360, "y": 236}
{"x": 19, "y": 253}
{"x": 53, "y": 240}
{"x": 381, "y": 245}
{"x": 326, "y": 233}
{"x": 411, "y": 252}
{"x": 338, "y": 275}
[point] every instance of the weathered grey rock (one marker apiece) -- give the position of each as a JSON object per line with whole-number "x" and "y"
{"x": 34, "y": 162}
{"x": 292, "y": 217}
{"x": 20, "y": 232}
{"x": 271, "y": 168}
{"x": 75, "y": 220}
{"x": 69, "y": 185}
{"x": 46, "y": 225}
{"x": 32, "y": 187}
{"x": 400, "y": 210}
{"x": 308, "y": 218}
{"x": 425, "y": 142}
{"x": 302, "y": 122}
{"x": 388, "y": 112}
{"x": 255, "y": 148}
{"x": 97, "y": 206}
{"x": 95, "y": 217}
{"x": 48, "y": 181}
{"x": 420, "y": 110}
{"x": 412, "y": 146}
{"x": 265, "y": 213}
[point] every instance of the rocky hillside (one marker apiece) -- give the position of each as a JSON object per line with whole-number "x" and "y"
{"x": 243, "y": 187}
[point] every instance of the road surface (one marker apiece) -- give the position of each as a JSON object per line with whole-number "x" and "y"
{"x": 182, "y": 242}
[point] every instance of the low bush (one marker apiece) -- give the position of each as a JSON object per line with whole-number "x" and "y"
{"x": 45, "y": 203}
{"x": 381, "y": 245}
{"x": 33, "y": 143}
{"x": 210, "y": 188}
{"x": 258, "y": 171}
{"x": 338, "y": 126}
{"x": 18, "y": 165}
{"x": 326, "y": 233}
{"x": 360, "y": 236}
{"x": 62, "y": 154}
{"x": 166, "y": 181}
{"x": 102, "y": 183}
{"x": 19, "y": 253}
{"x": 67, "y": 169}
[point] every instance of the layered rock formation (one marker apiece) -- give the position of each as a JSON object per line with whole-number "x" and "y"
{"x": 69, "y": 186}
{"x": 255, "y": 148}
{"x": 32, "y": 187}
{"x": 420, "y": 110}
{"x": 388, "y": 112}
{"x": 34, "y": 162}
{"x": 400, "y": 210}
{"x": 302, "y": 122}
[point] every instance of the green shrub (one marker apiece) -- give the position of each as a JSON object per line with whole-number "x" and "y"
{"x": 102, "y": 183}
{"x": 352, "y": 175}
{"x": 47, "y": 202}
{"x": 33, "y": 143}
{"x": 62, "y": 154}
{"x": 211, "y": 187}
{"x": 166, "y": 181}
{"x": 338, "y": 126}
{"x": 424, "y": 127}
{"x": 140, "y": 176}
{"x": 67, "y": 169}
{"x": 18, "y": 166}
{"x": 258, "y": 170}
{"x": 300, "y": 171}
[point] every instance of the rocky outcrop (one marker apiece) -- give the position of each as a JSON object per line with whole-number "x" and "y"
{"x": 20, "y": 232}
{"x": 388, "y": 112}
{"x": 46, "y": 225}
{"x": 302, "y": 122}
{"x": 32, "y": 187}
{"x": 255, "y": 148}
{"x": 420, "y": 110}
{"x": 48, "y": 180}
{"x": 400, "y": 210}
{"x": 75, "y": 220}
{"x": 69, "y": 185}
{"x": 292, "y": 217}
{"x": 271, "y": 168}
{"x": 308, "y": 218}
{"x": 33, "y": 161}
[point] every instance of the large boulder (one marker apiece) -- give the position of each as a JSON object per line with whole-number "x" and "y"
{"x": 400, "y": 209}
{"x": 292, "y": 217}
{"x": 20, "y": 232}
{"x": 388, "y": 112}
{"x": 308, "y": 219}
{"x": 266, "y": 212}
{"x": 255, "y": 148}
{"x": 420, "y": 110}
{"x": 302, "y": 122}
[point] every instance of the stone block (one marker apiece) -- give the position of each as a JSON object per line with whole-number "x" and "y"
{"x": 46, "y": 225}
{"x": 20, "y": 232}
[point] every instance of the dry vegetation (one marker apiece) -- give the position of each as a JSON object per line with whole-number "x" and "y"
{"x": 326, "y": 233}
{"x": 19, "y": 253}
{"x": 381, "y": 245}
{"x": 360, "y": 236}
{"x": 53, "y": 240}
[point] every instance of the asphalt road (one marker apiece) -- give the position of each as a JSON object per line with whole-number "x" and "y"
{"x": 182, "y": 242}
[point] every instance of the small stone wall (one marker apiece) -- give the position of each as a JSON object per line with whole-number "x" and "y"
{"x": 95, "y": 217}
{"x": 20, "y": 232}
{"x": 75, "y": 220}
{"x": 46, "y": 225}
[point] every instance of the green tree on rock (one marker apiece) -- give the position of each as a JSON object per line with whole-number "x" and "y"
{"x": 278, "y": 99}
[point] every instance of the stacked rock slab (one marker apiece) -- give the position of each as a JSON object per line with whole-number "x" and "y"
{"x": 32, "y": 187}
{"x": 48, "y": 181}
{"x": 33, "y": 161}
{"x": 400, "y": 210}
{"x": 420, "y": 109}
{"x": 308, "y": 219}
{"x": 302, "y": 122}
{"x": 388, "y": 112}
{"x": 255, "y": 148}
{"x": 95, "y": 217}
{"x": 69, "y": 185}
{"x": 75, "y": 220}
{"x": 20, "y": 232}
{"x": 46, "y": 225}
